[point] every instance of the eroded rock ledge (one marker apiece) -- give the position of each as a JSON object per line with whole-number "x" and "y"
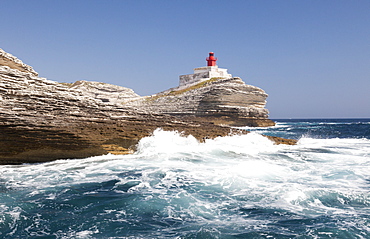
{"x": 228, "y": 102}
{"x": 43, "y": 120}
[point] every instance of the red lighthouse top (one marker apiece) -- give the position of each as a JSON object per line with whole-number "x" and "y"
{"x": 211, "y": 60}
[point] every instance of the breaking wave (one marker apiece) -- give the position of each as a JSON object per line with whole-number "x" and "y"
{"x": 240, "y": 186}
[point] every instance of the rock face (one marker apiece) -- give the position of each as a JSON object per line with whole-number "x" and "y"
{"x": 13, "y": 62}
{"x": 42, "y": 120}
{"x": 105, "y": 92}
{"x": 221, "y": 101}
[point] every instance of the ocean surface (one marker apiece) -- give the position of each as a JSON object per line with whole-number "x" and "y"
{"x": 228, "y": 187}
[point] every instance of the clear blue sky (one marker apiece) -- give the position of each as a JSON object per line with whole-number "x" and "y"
{"x": 311, "y": 57}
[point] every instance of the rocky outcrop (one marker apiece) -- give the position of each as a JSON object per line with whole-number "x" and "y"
{"x": 13, "y": 62}
{"x": 43, "y": 120}
{"x": 222, "y": 101}
{"x": 104, "y": 92}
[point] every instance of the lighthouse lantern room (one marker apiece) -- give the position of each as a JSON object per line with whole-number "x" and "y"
{"x": 211, "y": 60}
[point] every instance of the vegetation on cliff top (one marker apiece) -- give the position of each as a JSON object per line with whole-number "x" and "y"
{"x": 179, "y": 92}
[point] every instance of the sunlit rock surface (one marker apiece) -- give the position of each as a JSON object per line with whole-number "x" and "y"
{"x": 105, "y": 92}
{"x": 221, "y": 101}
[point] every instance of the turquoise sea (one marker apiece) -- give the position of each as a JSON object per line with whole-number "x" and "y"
{"x": 228, "y": 187}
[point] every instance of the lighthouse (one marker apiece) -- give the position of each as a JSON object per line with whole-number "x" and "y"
{"x": 204, "y": 73}
{"x": 211, "y": 60}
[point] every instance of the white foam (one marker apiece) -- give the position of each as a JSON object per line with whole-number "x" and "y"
{"x": 295, "y": 178}
{"x": 172, "y": 142}
{"x": 277, "y": 125}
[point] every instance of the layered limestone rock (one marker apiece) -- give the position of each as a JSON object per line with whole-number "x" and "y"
{"x": 43, "y": 120}
{"x": 106, "y": 92}
{"x": 225, "y": 101}
{"x": 7, "y": 59}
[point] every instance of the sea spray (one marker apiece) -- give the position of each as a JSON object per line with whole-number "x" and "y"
{"x": 240, "y": 186}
